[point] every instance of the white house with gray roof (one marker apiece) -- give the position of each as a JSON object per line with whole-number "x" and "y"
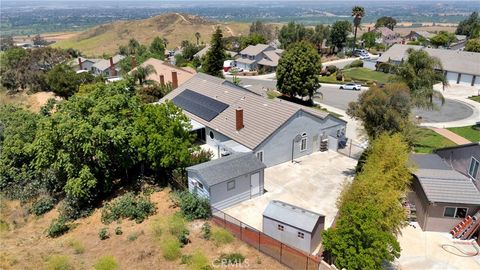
{"x": 260, "y": 56}
{"x": 294, "y": 226}
{"x": 227, "y": 181}
{"x": 460, "y": 67}
{"x": 443, "y": 196}
{"x": 108, "y": 67}
{"x": 231, "y": 119}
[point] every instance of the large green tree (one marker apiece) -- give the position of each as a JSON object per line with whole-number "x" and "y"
{"x": 370, "y": 215}
{"x": 157, "y": 47}
{"x": 420, "y": 72}
{"x": 298, "y": 70}
{"x": 382, "y": 110}
{"x": 293, "y": 32}
{"x": 252, "y": 39}
{"x": 370, "y": 39}
{"x": 386, "y": 21}
{"x": 215, "y": 56}
{"x": 443, "y": 38}
{"x": 339, "y": 33}
{"x": 141, "y": 74}
{"x": 64, "y": 81}
{"x": 358, "y": 13}
{"x": 470, "y": 26}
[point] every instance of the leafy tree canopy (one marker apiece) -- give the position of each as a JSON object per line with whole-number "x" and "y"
{"x": 470, "y": 26}
{"x": 369, "y": 38}
{"x": 64, "y": 81}
{"x": 339, "y": 33}
{"x": 298, "y": 70}
{"x": 215, "y": 56}
{"x": 473, "y": 45}
{"x": 443, "y": 38}
{"x": 386, "y": 21}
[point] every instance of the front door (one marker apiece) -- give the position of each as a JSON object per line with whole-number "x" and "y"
{"x": 255, "y": 184}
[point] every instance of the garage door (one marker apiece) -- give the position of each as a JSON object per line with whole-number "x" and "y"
{"x": 452, "y": 77}
{"x": 466, "y": 79}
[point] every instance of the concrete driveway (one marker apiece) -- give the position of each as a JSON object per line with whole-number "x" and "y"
{"x": 313, "y": 182}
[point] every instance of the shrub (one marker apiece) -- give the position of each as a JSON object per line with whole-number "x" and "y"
{"x": 133, "y": 236}
{"x": 185, "y": 259}
{"x": 106, "y": 263}
{"x": 339, "y": 76}
{"x": 103, "y": 234}
{"x": 356, "y": 63}
{"x": 192, "y": 206}
{"x": 230, "y": 258}
{"x": 128, "y": 206}
{"x": 118, "y": 231}
{"x": 199, "y": 261}
{"x": 206, "y": 231}
{"x": 177, "y": 227}
{"x": 59, "y": 262}
{"x": 78, "y": 248}
{"x": 170, "y": 248}
{"x": 341, "y": 55}
{"x": 332, "y": 69}
{"x": 42, "y": 206}
{"x": 221, "y": 236}
{"x": 57, "y": 227}
{"x": 157, "y": 228}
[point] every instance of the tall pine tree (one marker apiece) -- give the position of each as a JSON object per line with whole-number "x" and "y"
{"x": 213, "y": 63}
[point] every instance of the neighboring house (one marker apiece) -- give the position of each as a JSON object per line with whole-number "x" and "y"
{"x": 387, "y": 36}
{"x": 82, "y": 63}
{"x": 233, "y": 119}
{"x": 294, "y": 226}
{"x": 459, "y": 43}
{"x": 260, "y": 56}
{"x": 444, "y": 197}
{"x": 167, "y": 73}
{"x": 227, "y": 181}
{"x": 418, "y": 35}
{"x": 460, "y": 67}
{"x": 108, "y": 67}
{"x": 204, "y": 51}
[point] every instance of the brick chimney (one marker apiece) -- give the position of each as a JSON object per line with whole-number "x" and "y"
{"x": 134, "y": 62}
{"x": 239, "y": 118}
{"x": 80, "y": 64}
{"x": 162, "y": 79}
{"x": 174, "y": 80}
{"x": 113, "y": 72}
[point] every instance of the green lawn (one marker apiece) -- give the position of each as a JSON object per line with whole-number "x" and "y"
{"x": 426, "y": 140}
{"x": 467, "y": 132}
{"x": 359, "y": 75}
{"x": 475, "y": 98}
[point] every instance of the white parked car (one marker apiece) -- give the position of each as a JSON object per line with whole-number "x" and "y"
{"x": 364, "y": 56}
{"x": 351, "y": 86}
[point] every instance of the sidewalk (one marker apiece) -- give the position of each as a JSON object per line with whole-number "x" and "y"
{"x": 451, "y": 136}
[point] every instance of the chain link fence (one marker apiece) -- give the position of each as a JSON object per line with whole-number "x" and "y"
{"x": 351, "y": 149}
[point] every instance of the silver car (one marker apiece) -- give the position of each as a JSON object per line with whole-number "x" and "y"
{"x": 351, "y": 86}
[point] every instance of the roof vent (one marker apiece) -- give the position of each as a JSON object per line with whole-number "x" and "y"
{"x": 265, "y": 104}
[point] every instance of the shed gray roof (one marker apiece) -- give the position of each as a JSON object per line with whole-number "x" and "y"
{"x": 455, "y": 61}
{"x": 104, "y": 64}
{"x": 261, "y": 116}
{"x": 225, "y": 168}
{"x": 448, "y": 186}
{"x": 292, "y": 215}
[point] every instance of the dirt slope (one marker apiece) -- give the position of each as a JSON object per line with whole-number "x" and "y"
{"x": 175, "y": 27}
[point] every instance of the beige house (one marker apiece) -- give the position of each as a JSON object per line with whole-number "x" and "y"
{"x": 168, "y": 73}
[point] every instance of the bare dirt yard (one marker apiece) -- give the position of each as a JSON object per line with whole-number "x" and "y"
{"x": 24, "y": 244}
{"x": 31, "y": 102}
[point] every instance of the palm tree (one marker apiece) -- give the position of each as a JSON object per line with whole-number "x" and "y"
{"x": 142, "y": 72}
{"x": 197, "y": 36}
{"x": 420, "y": 72}
{"x": 357, "y": 13}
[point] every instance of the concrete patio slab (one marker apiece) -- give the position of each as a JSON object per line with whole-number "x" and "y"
{"x": 313, "y": 182}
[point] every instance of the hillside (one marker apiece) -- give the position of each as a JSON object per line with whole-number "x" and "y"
{"x": 26, "y": 246}
{"x": 175, "y": 27}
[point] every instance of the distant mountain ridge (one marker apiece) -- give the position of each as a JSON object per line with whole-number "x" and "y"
{"x": 175, "y": 27}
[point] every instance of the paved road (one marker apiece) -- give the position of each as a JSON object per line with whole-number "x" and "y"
{"x": 451, "y": 111}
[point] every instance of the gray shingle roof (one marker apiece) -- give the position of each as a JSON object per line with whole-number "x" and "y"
{"x": 226, "y": 168}
{"x": 104, "y": 64}
{"x": 429, "y": 161}
{"x": 455, "y": 61}
{"x": 448, "y": 186}
{"x": 255, "y": 49}
{"x": 261, "y": 116}
{"x": 292, "y": 215}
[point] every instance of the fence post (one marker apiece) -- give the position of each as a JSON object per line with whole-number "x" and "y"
{"x": 350, "y": 151}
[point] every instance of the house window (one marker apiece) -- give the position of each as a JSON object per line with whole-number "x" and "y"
{"x": 212, "y": 136}
{"x": 303, "y": 144}
{"x": 260, "y": 155}
{"x": 455, "y": 212}
{"x": 301, "y": 235}
{"x": 473, "y": 169}
{"x": 231, "y": 185}
{"x": 280, "y": 227}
